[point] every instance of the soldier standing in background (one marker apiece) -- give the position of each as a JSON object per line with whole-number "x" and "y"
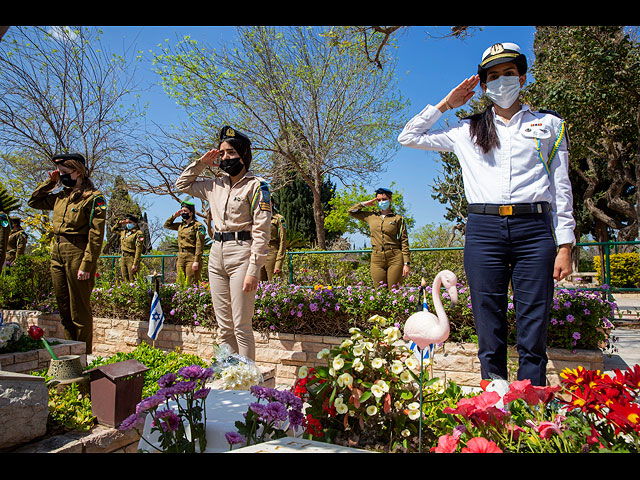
{"x": 191, "y": 238}
{"x": 17, "y": 241}
{"x": 389, "y": 240}
{"x": 277, "y": 247}
{"x": 131, "y": 247}
{"x": 5, "y": 231}
{"x": 79, "y": 217}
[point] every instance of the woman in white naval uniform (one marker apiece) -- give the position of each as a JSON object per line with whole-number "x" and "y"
{"x": 520, "y": 222}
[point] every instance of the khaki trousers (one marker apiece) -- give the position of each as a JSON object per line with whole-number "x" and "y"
{"x": 233, "y": 308}
{"x": 386, "y": 267}
{"x": 185, "y": 260}
{"x": 73, "y": 295}
{"x": 266, "y": 272}
{"x": 126, "y": 264}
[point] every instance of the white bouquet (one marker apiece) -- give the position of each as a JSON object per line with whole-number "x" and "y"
{"x": 233, "y": 371}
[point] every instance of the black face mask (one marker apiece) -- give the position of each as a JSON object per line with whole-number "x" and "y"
{"x": 232, "y": 166}
{"x": 67, "y": 181}
{"x": 186, "y": 216}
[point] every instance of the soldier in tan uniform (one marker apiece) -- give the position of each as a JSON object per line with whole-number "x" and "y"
{"x": 191, "y": 239}
{"x": 389, "y": 239}
{"x": 241, "y": 215}
{"x": 17, "y": 241}
{"x": 131, "y": 247}
{"x": 277, "y": 248}
{"x": 5, "y": 231}
{"x": 79, "y": 215}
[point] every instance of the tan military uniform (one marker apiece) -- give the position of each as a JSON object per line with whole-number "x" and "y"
{"x": 78, "y": 228}
{"x": 17, "y": 244}
{"x": 131, "y": 246}
{"x": 389, "y": 242}
{"x": 191, "y": 237}
{"x": 5, "y": 231}
{"x": 277, "y": 247}
{"x": 243, "y": 207}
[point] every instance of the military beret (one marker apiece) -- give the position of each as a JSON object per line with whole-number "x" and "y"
{"x": 238, "y": 141}
{"x": 502, "y": 53}
{"x": 190, "y": 205}
{"x": 384, "y": 191}
{"x": 62, "y": 157}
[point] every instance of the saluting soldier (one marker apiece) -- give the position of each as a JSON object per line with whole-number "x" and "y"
{"x": 17, "y": 241}
{"x": 79, "y": 215}
{"x": 5, "y": 231}
{"x": 390, "y": 258}
{"x": 241, "y": 215}
{"x": 131, "y": 247}
{"x": 191, "y": 238}
{"x": 277, "y": 247}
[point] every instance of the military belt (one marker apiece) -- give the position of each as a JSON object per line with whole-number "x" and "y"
{"x": 509, "y": 210}
{"x": 71, "y": 238}
{"x": 229, "y": 236}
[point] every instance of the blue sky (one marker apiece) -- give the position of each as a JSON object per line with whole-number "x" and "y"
{"x": 428, "y": 68}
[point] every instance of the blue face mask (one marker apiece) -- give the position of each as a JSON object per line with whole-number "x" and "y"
{"x": 130, "y": 226}
{"x": 384, "y": 204}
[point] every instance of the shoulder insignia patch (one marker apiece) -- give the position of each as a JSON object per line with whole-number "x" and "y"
{"x": 201, "y": 229}
{"x": 4, "y": 220}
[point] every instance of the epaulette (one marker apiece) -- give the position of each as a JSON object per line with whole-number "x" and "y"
{"x": 551, "y": 112}
{"x": 264, "y": 202}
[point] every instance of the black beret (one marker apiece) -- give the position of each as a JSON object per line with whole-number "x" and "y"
{"x": 384, "y": 190}
{"x": 61, "y": 157}
{"x": 238, "y": 141}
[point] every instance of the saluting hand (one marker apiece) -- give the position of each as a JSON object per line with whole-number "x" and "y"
{"x": 460, "y": 94}
{"x": 54, "y": 176}
{"x": 211, "y": 158}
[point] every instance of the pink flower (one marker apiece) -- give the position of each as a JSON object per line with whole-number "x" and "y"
{"x": 529, "y": 393}
{"x": 446, "y": 444}
{"x": 481, "y": 445}
{"x": 546, "y": 429}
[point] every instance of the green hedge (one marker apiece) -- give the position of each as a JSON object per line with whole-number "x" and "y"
{"x": 624, "y": 269}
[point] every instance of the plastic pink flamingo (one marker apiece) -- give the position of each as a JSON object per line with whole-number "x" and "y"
{"x": 424, "y": 328}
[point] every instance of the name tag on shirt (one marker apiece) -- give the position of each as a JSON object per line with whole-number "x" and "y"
{"x": 536, "y": 130}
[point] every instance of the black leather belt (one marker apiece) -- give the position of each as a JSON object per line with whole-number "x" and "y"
{"x": 508, "y": 210}
{"x": 228, "y": 236}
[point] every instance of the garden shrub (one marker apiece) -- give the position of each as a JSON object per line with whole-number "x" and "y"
{"x": 26, "y": 282}
{"x": 624, "y": 269}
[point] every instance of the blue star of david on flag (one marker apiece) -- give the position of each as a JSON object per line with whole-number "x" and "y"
{"x": 156, "y": 317}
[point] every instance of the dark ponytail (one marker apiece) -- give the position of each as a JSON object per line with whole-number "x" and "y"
{"x": 483, "y": 130}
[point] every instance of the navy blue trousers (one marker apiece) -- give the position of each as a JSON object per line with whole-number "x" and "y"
{"x": 521, "y": 250}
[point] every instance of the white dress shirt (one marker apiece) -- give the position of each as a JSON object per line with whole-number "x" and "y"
{"x": 513, "y": 172}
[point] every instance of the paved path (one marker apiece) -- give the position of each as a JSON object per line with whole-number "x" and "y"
{"x": 627, "y": 332}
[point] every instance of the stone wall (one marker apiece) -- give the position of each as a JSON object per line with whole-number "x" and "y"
{"x": 285, "y": 352}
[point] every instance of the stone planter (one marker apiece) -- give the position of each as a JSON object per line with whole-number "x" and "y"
{"x": 34, "y": 360}
{"x": 285, "y": 353}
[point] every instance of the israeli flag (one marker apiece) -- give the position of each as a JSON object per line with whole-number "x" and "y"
{"x": 156, "y": 317}
{"x": 421, "y": 356}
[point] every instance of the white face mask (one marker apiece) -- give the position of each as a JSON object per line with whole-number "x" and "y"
{"x": 504, "y": 90}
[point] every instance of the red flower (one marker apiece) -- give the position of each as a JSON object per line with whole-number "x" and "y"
{"x": 480, "y": 410}
{"x": 481, "y": 445}
{"x": 530, "y": 393}
{"x": 313, "y": 426}
{"x": 35, "y": 332}
{"x": 446, "y": 444}
{"x": 545, "y": 429}
{"x": 626, "y": 417}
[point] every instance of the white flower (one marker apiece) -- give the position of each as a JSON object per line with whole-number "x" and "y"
{"x": 346, "y": 343}
{"x": 412, "y": 362}
{"x": 372, "y": 410}
{"x": 323, "y": 353}
{"x": 303, "y": 371}
{"x": 341, "y": 408}
{"x": 405, "y": 376}
{"x": 377, "y": 390}
{"x": 392, "y": 334}
{"x": 338, "y": 363}
{"x": 377, "y": 362}
{"x": 383, "y": 385}
{"x": 414, "y": 410}
{"x": 369, "y": 346}
{"x": 345, "y": 380}
{"x": 405, "y": 432}
{"x": 397, "y": 367}
{"x": 358, "y": 350}
{"x": 358, "y": 366}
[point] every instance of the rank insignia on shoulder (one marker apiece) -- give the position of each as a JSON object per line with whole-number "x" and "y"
{"x": 201, "y": 229}
{"x": 4, "y": 220}
{"x": 100, "y": 202}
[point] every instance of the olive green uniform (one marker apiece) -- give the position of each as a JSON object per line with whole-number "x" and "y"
{"x": 389, "y": 242}
{"x": 78, "y": 232}
{"x": 131, "y": 246}
{"x": 191, "y": 238}
{"x": 277, "y": 247}
{"x": 17, "y": 244}
{"x": 5, "y": 231}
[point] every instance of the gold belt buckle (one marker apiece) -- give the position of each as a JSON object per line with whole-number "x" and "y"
{"x": 504, "y": 210}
